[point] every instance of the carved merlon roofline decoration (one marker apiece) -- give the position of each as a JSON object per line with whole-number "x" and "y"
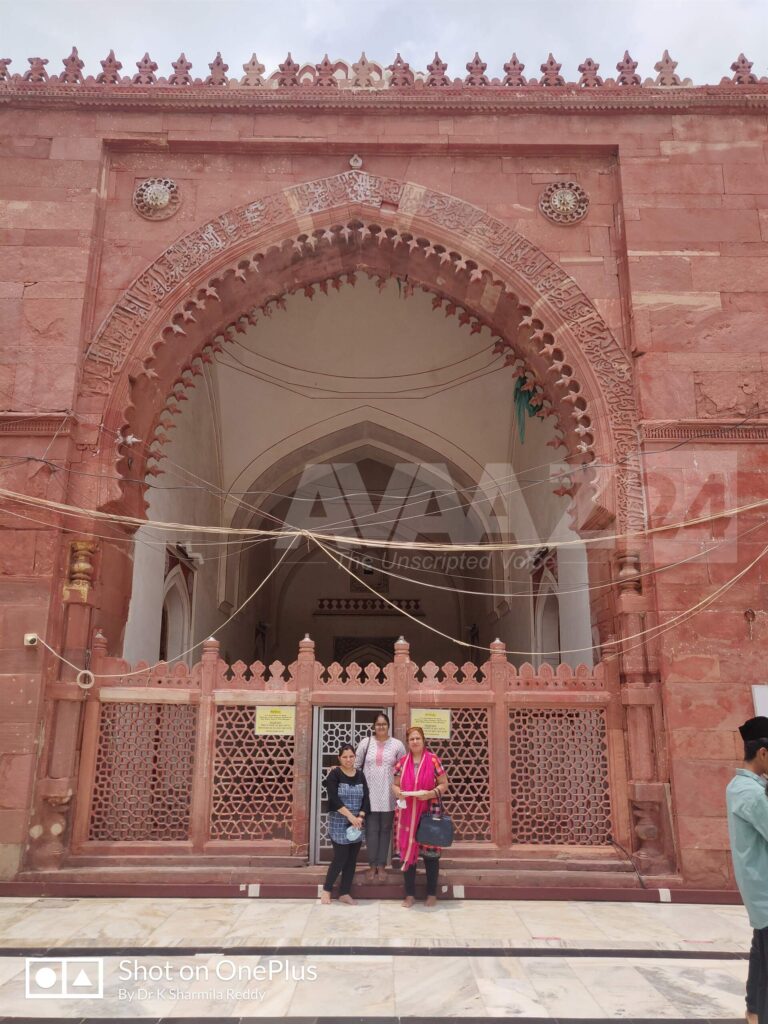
{"x": 370, "y": 84}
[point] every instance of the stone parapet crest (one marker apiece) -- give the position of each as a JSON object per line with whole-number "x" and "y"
{"x": 363, "y": 81}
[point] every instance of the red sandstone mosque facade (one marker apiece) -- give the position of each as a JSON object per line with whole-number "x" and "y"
{"x": 211, "y": 286}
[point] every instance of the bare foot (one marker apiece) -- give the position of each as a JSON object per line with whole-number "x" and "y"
{"x": 325, "y": 897}
{"x": 347, "y": 900}
{"x": 751, "y": 1017}
{"x": 408, "y": 902}
{"x": 431, "y": 901}
{"x": 370, "y": 874}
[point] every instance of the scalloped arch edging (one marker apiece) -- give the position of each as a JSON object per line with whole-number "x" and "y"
{"x": 483, "y": 249}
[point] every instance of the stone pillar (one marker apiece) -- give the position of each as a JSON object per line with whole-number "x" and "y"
{"x": 641, "y": 697}
{"x": 302, "y": 749}
{"x": 78, "y": 597}
{"x": 402, "y": 682}
{"x": 49, "y": 830}
{"x": 205, "y": 749}
{"x": 501, "y": 811}
{"x": 89, "y": 742}
{"x": 632, "y": 606}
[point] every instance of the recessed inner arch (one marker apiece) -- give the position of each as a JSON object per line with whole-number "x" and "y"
{"x": 268, "y": 389}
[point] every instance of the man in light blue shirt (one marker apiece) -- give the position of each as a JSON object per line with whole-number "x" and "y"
{"x": 747, "y": 804}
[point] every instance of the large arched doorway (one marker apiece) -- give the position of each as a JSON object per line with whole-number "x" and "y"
{"x": 176, "y": 399}
{"x": 236, "y": 273}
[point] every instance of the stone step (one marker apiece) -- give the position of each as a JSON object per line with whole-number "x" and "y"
{"x": 308, "y": 872}
{"x": 173, "y": 861}
{"x": 302, "y": 881}
{"x": 262, "y": 862}
{"x": 523, "y": 863}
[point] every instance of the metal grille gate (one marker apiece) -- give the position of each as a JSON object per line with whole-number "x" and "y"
{"x": 331, "y": 728}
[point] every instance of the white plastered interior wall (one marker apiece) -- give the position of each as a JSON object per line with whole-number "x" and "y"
{"x": 361, "y": 353}
{"x": 176, "y": 496}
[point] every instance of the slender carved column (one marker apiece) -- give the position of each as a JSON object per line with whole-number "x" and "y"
{"x": 202, "y": 783}
{"x": 302, "y": 742}
{"x": 632, "y": 608}
{"x": 501, "y": 815}
{"x": 78, "y": 596}
{"x": 49, "y": 831}
{"x": 402, "y": 670}
{"x": 648, "y": 788}
{"x": 89, "y": 744}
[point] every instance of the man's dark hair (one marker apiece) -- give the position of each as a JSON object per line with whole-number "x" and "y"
{"x": 751, "y": 748}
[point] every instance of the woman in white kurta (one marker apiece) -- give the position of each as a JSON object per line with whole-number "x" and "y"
{"x": 377, "y": 756}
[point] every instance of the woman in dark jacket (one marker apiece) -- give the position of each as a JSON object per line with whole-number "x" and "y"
{"x": 348, "y": 804}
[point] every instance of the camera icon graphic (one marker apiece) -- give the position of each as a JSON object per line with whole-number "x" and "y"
{"x": 64, "y": 977}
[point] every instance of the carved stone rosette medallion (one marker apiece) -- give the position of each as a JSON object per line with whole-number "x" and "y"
{"x": 157, "y": 198}
{"x": 564, "y": 202}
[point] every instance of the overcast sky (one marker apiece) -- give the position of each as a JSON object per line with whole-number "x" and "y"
{"x": 704, "y": 36}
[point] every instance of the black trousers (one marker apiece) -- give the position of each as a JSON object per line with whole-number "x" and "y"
{"x": 343, "y": 863}
{"x": 753, "y": 975}
{"x": 757, "y": 978}
{"x": 432, "y": 866}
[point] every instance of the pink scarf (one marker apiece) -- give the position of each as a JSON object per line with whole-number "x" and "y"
{"x": 409, "y": 816}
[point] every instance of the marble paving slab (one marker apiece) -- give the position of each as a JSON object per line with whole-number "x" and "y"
{"x": 437, "y": 963}
{"x": 341, "y": 986}
{"x": 242, "y": 922}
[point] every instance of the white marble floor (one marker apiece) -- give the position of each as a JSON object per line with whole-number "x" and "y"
{"x": 34, "y": 923}
{"x": 378, "y": 960}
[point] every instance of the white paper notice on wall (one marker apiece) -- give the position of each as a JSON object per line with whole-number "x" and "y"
{"x": 760, "y": 699}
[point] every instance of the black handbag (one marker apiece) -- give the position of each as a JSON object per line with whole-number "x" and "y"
{"x": 435, "y": 828}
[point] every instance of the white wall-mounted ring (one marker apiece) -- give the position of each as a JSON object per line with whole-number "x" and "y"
{"x": 85, "y": 679}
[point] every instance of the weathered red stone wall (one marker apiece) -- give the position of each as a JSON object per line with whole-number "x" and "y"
{"x": 697, "y": 237}
{"x": 673, "y": 252}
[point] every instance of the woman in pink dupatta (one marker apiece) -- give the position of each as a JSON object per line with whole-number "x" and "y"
{"x": 418, "y": 773}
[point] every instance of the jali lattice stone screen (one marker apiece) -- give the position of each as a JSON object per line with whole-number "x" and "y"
{"x": 559, "y": 776}
{"x": 252, "y": 779}
{"x": 465, "y": 759}
{"x": 143, "y": 778}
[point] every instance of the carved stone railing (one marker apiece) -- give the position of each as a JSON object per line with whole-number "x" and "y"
{"x": 352, "y": 676}
{"x": 367, "y": 606}
{"x": 119, "y": 674}
{"x": 448, "y": 677}
{"x": 171, "y": 758}
{"x": 561, "y": 677}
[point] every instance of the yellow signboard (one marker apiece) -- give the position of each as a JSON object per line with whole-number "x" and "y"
{"x": 436, "y": 722}
{"x": 275, "y": 721}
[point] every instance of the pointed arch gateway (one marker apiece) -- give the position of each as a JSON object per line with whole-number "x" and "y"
{"x": 215, "y": 280}
{"x": 219, "y": 280}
